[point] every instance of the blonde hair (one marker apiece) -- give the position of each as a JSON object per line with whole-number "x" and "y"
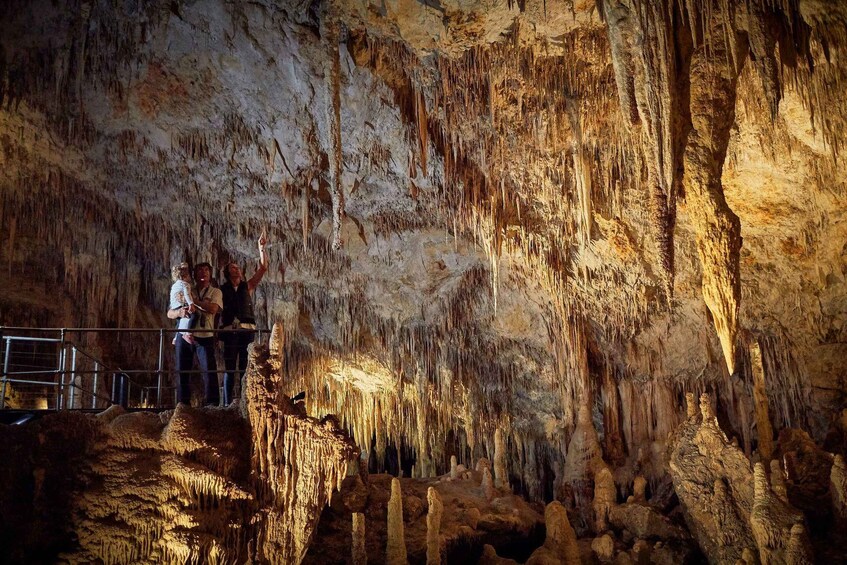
{"x": 178, "y": 270}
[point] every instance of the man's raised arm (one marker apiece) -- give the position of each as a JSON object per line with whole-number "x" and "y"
{"x": 263, "y": 264}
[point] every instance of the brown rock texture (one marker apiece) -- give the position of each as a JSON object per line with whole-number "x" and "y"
{"x": 175, "y": 486}
{"x": 512, "y": 231}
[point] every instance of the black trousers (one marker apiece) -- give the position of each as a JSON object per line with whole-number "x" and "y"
{"x": 204, "y": 348}
{"x": 235, "y": 359}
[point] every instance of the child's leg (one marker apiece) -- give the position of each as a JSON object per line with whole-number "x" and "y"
{"x": 185, "y": 324}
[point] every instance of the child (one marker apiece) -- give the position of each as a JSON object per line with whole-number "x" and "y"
{"x": 182, "y": 296}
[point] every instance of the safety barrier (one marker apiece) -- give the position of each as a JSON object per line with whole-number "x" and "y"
{"x": 51, "y": 370}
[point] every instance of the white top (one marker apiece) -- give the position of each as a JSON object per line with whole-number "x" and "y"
{"x": 187, "y": 291}
{"x": 207, "y": 320}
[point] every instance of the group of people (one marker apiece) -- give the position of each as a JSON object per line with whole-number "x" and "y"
{"x": 196, "y": 305}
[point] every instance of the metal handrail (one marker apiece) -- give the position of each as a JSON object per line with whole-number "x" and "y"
{"x": 70, "y": 387}
{"x": 125, "y": 330}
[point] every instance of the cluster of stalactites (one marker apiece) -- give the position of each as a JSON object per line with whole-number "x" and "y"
{"x": 548, "y": 112}
{"x": 161, "y": 489}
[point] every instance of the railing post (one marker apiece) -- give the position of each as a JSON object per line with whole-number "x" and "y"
{"x": 72, "y": 380}
{"x": 5, "y": 372}
{"x": 114, "y": 378}
{"x": 61, "y": 389}
{"x": 160, "y": 368}
{"x": 60, "y": 398}
{"x": 94, "y": 389}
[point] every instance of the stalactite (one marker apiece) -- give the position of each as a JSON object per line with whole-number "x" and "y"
{"x": 10, "y": 243}
{"x": 612, "y": 437}
{"x": 332, "y": 79}
{"x": 778, "y": 481}
{"x": 645, "y": 56}
{"x": 760, "y": 398}
{"x": 713, "y": 92}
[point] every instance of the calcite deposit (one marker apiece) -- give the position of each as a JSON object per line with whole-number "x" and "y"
{"x": 188, "y": 485}
{"x": 507, "y": 240}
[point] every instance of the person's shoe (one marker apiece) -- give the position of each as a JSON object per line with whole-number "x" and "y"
{"x": 299, "y": 396}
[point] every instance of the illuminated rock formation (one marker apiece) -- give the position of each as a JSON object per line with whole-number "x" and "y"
{"x": 560, "y": 545}
{"x": 605, "y": 496}
{"x": 760, "y": 398}
{"x": 433, "y": 527}
{"x": 732, "y": 517}
{"x": 296, "y": 462}
{"x": 395, "y": 549}
{"x": 509, "y": 230}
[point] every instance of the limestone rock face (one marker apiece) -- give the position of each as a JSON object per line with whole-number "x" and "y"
{"x": 474, "y": 209}
{"x": 187, "y": 485}
{"x": 740, "y": 511}
{"x": 511, "y": 230}
{"x": 297, "y": 462}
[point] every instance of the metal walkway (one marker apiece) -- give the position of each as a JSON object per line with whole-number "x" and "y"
{"x": 46, "y": 369}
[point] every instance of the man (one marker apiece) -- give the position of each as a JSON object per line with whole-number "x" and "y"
{"x": 209, "y": 302}
{"x": 238, "y": 315}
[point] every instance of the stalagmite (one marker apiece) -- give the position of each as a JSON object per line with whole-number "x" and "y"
{"x": 702, "y": 454}
{"x": 605, "y": 496}
{"x": 395, "y": 549}
{"x": 639, "y": 487}
{"x": 778, "y": 481}
{"x": 560, "y": 545}
{"x": 454, "y": 472}
{"x": 799, "y": 551}
{"x": 838, "y": 487}
{"x": 289, "y": 450}
{"x": 604, "y": 548}
{"x": 359, "y": 552}
{"x": 760, "y": 397}
{"x": 690, "y": 405}
{"x": 487, "y": 484}
{"x": 773, "y": 523}
{"x": 501, "y": 473}
{"x": 433, "y": 527}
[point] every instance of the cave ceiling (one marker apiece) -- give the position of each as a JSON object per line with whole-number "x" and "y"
{"x": 485, "y": 209}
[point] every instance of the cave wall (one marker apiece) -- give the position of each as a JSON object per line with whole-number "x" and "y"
{"x": 535, "y": 203}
